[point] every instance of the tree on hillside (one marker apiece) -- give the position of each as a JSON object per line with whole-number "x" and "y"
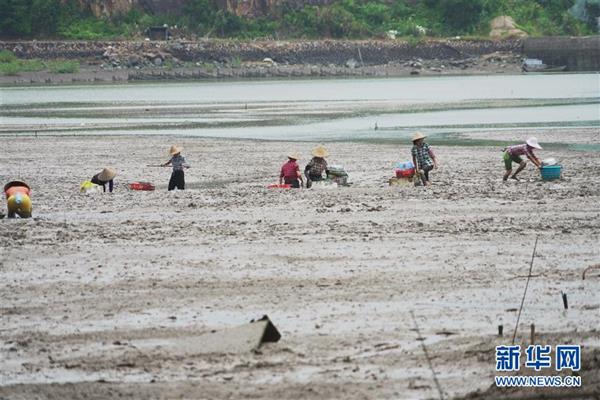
{"x": 15, "y": 18}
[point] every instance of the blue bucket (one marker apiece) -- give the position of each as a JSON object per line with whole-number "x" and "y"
{"x": 551, "y": 172}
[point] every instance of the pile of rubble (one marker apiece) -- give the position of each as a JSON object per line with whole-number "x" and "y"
{"x": 140, "y": 57}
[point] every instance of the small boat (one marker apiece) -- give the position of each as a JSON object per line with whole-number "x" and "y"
{"x": 536, "y": 65}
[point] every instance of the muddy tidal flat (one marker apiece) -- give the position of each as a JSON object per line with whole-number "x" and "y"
{"x": 95, "y": 288}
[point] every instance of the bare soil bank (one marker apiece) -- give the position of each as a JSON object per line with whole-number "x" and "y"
{"x": 94, "y": 286}
{"x": 218, "y": 59}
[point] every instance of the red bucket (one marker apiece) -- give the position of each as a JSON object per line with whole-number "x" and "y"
{"x": 280, "y": 186}
{"x": 405, "y": 173}
{"x": 146, "y": 186}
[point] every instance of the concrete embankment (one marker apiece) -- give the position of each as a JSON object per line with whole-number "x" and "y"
{"x": 576, "y": 53}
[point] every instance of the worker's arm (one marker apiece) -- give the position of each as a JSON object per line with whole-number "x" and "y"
{"x": 534, "y": 160}
{"x": 432, "y": 155}
{"x": 167, "y": 163}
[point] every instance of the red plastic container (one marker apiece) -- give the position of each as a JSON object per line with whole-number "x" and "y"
{"x": 146, "y": 186}
{"x": 280, "y": 186}
{"x": 405, "y": 173}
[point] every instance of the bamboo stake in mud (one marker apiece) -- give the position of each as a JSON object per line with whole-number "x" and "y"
{"x": 532, "y": 334}
{"x": 565, "y": 301}
{"x": 525, "y": 292}
{"x": 500, "y": 330}
{"x": 422, "y": 340}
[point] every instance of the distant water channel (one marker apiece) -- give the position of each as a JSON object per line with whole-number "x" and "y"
{"x": 341, "y": 109}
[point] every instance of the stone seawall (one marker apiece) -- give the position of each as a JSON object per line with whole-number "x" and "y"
{"x": 576, "y": 53}
{"x": 371, "y": 52}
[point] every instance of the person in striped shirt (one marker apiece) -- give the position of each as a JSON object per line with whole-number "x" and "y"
{"x": 423, "y": 157}
{"x": 514, "y": 153}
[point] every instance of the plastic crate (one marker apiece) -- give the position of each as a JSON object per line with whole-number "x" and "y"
{"x": 551, "y": 172}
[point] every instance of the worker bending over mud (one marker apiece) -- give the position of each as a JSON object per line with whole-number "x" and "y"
{"x": 514, "y": 153}
{"x": 290, "y": 172}
{"x": 18, "y": 199}
{"x": 316, "y": 166}
{"x": 106, "y": 176}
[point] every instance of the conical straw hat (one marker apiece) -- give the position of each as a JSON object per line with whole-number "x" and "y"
{"x": 107, "y": 174}
{"x": 320, "y": 151}
{"x": 418, "y": 136}
{"x": 293, "y": 155}
{"x": 174, "y": 150}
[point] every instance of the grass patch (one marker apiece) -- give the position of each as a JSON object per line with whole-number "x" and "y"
{"x": 63, "y": 66}
{"x": 235, "y": 62}
{"x": 10, "y": 69}
{"x": 11, "y": 65}
{"x": 7, "y": 57}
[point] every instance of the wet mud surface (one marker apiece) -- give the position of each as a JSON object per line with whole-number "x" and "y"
{"x": 95, "y": 287}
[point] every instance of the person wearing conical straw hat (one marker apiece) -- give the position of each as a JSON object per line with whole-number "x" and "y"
{"x": 423, "y": 157}
{"x": 107, "y": 175}
{"x": 177, "y": 161}
{"x": 514, "y": 153}
{"x": 316, "y": 166}
{"x": 290, "y": 171}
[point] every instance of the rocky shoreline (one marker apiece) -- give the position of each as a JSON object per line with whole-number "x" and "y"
{"x": 218, "y": 59}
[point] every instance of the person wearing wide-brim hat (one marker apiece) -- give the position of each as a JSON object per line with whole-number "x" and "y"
{"x": 177, "y": 161}
{"x": 18, "y": 199}
{"x": 423, "y": 157}
{"x": 514, "y": 153}
{"x": 107, "y": 175}
{"x": 290, "y": 171}
{"x": 317, "y": 165}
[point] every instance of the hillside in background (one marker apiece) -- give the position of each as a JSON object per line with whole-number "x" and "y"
{"x": 278, "y": 19}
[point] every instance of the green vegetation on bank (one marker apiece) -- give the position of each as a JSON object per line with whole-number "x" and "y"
{"x": 11, "y": 65}
{"x": 338, "y": 19}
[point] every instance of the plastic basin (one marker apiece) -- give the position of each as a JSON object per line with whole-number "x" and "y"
{"x": 551, "y": 172}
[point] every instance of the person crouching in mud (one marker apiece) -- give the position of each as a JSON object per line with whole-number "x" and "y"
{"x": 178, "y": 162}
{"x": 514, "y": 153}
{"x": 106, "y": 176}
{"x": 290, "y": 172}
{"x": 423, "y": 157}
{"x": 316, "y": 166}
{"x": 18, "y": 199}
